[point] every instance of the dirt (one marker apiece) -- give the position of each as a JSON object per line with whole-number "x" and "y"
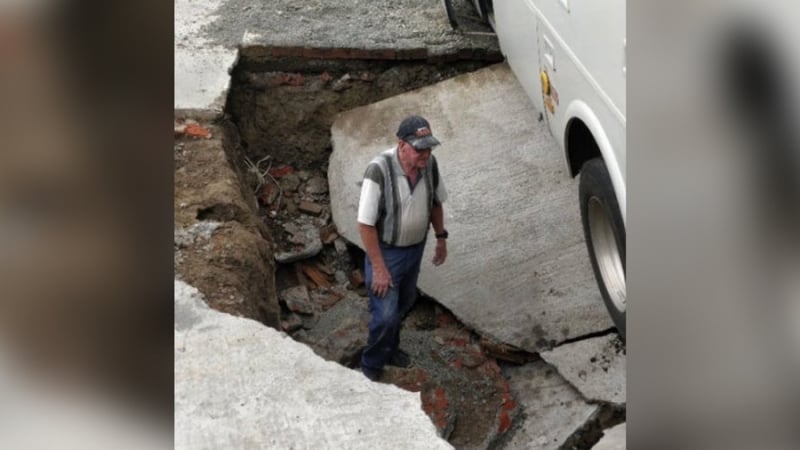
{"x": 286, "y": 110}
{"x": 220, "y": 244}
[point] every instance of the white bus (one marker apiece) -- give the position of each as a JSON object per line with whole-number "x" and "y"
{"x": 569, "y": 56}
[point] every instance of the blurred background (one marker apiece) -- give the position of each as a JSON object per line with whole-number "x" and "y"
{"x": 85, "y": 224}
{"x": 714, "y": 194}
{"x": 85, "y": 212}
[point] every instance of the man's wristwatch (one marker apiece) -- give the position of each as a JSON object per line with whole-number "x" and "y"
{"x": 442, "y": 235}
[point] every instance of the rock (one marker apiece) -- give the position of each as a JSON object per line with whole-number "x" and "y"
{"x": 596, "y": 367}
{"x": 310, "y": 207}
{"x": 307, "y": 238}
{"x": 340, "y": 276}
{"x": 341, "y": 245}
{"x": 290, "y": 182}
{"x": 291, "y": 207}
{"x": 304, "y": 174}
{"x": 327, "y": 298}
{"x": 342, "y": 83}
{"x": 345, "y": 343}
{"x": 297, "y": 299}
{"x": 356, "y": 278}
{"x": 328, "y": 234}
{"x": 473, "y": 358}
{"x": 317, "y": 186}
{"x": 184, "y": 237}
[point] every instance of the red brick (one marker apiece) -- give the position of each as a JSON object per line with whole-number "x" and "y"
{"x": 505, "y": 422}
{"x": 359, "y": 53}
{"x": 339, "y": 53}
{"x": 281, "y": 171}
{"x": 314, "y": 53}
{"x": 197, "y": 131}
{"x": 282, "y": 52}
{"x": 412, "y": 53}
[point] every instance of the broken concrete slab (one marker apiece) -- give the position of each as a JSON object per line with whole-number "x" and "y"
{"x": 201, "y": 65}
{"x": 553, "y": 409}
{"x": 517, "y": 267}
{"x": 236, "y": 386}
{"x": 596, "y": 367}
{"x": 614, "y": 438}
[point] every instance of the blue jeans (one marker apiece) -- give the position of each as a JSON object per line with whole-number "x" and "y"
{"x": 384, "y": 328}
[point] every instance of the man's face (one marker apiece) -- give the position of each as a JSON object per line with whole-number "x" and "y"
{"x": 417, "y": 158}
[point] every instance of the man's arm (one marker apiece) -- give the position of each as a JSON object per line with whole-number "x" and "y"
{"x": 437, "y": 220}
{"x": 381, "y": 279}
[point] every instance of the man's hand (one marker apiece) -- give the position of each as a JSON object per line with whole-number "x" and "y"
{"x": 441, "y": 252}
{"x": 381, "y": 280}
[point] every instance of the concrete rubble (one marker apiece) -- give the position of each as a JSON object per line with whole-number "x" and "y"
{"x": 553, "y": 408}
{"x": 613, "y": 438}
{"x": 235, "y": 387}
{"x": 596, "y": 367}
{"x": 515, "y": 236}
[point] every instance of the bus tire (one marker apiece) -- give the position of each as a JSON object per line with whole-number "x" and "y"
{"x": 604, "y": 231}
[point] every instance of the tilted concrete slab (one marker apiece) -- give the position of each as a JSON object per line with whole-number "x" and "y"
{"x": 614, "y": 438}
{"x": 240, "y": 384}
{"x": 596, "y": 367}
{"x": 517, "y": 266}
{"x": 554, "y": 410}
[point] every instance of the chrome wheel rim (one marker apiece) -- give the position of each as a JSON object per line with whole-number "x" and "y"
{"x": 606, "y": 253}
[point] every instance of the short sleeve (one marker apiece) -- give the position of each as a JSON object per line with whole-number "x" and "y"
{"x": 369, "y": 201}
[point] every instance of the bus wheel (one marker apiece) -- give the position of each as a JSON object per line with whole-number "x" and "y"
{"x": 605, "y": 237}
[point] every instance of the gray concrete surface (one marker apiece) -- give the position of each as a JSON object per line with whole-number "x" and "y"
{"x": 201, "y": 62}
{"x": 209, "y": 34}
{"x": 517, "y": 268}
{"x": 596, "y": 367}
{"x": 614, "y": 438}
{"x": 239, "y": 384}
{"x": 553, "y": 409}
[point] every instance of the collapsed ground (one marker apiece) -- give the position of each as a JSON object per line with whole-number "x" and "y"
{"x": 286, "y": 266}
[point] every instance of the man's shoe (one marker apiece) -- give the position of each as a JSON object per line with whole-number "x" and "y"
{"x": 372, "y": 374}
{"x": 400, "y": 359}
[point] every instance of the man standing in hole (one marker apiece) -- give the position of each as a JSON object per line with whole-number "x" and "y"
{"x": 401, "y": 196}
